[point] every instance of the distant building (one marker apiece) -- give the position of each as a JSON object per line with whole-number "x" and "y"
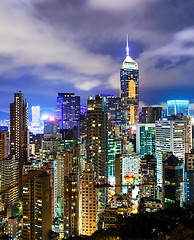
{"x": 68, "y": 111}
{"x": 175, "y": 107}
{"x": 51, "y": 125}
{"x": 150, "y": 114}
{"x": 35, "y": 116}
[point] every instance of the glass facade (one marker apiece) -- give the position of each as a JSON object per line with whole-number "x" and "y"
{"x": 175, "y": 107}
{"x": 145, "y": 139}
{"x": 68, "y": 111}
{"x": 129, "y": 91}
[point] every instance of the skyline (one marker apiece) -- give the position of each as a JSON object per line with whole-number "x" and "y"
{"x": 79, "y": 47}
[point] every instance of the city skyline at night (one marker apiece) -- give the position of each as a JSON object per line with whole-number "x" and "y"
{"x": 96, "y": 119}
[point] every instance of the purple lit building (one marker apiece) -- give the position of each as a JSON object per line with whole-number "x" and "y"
{"x": 68, "y": 111}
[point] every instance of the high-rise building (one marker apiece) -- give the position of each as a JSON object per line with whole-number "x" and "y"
{"x": 19, "y": 135}
{"x": 88, "y": 201}
{"x": 68, "y": 111}
{"x": 9, "y": 175}
{"x": 173, "y": 176}
{"x": 145, "y": 139}
{"x": 71, "y": 192}
{"x": 97, "y": 145}
{"x": 51, "y": 125}
{"x": 37, "y": 217}
{"x": 150, "y": 114}
{"x": 189, "y": 176}
{"x": 170, "y": 137}
{"x": 36, "y": 116}
{"x": 4, "y": 142}
{"x": 175, "y": 107}
{"x": 129, "y": 91}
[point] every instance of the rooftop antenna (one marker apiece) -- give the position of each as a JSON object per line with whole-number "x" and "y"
{"x": 127, "y": 48}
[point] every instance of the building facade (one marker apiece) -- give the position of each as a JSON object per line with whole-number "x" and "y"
{"x": 68, "y": 111}
{"x": 129, "y": 92}
{"x": 97, "y": 145}
{"x": 37, "y": 215}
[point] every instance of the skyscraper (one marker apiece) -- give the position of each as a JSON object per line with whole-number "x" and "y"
{"x": 145, "y": 139}
{"x": 68, "y": 111}
{"x": 170, "y": 137}
{"x": 129, "y": 91}
{"x": 19, "y": 139}
{"x": 35, "y": 116}
{"x": 97, "y": 145}
{"x": 150, "y": 114}
{"x": 175, "y": 107}
{"x": 37, "y": 216}
{"x": 88, "y": 201}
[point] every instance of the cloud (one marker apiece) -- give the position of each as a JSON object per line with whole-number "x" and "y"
{"x": 122, "y": 5}
{"x": 27, "y": 40}
{"x": 182, "y": 44}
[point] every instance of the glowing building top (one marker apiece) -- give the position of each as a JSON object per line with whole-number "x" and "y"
{"x": 129, "y": 62}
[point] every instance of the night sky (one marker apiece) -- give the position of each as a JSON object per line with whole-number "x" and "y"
{"x": 51, "y": 46}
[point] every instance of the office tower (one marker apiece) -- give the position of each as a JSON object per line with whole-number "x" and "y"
{"x": 173, "y": 176}
{"x": 175, "y": 107}
{"x": 37, "y": 218}
{"x": 68, "y": 111}
{"x": 36, "y": 125}
{"x": 51, "y": 125}
{"x": 71, "y": 192}
{"x": 97, "y": 145}
{"x": 129, "y": 91}
{"x": 189, "y": 176}
{"x": 150, "y": 114}
{"x": 145, "y": 139}
{"x": 19, "y": 136}
{"x": 9, "y": 175}
{"x": 170, "y": 137}
{"x": 36, "y": 116}
{"x": 4, "y": 142}
{"x": 113, "y": 108}
{"x": 88, "y": 201}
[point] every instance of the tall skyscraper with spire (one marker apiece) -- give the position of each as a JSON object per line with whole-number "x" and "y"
{"x": 129, "y": 92}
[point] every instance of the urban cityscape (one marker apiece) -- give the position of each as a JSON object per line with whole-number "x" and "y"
{"x": 101, "y": 164}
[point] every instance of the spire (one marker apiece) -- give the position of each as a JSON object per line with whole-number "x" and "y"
{"x": 127, "y": 48}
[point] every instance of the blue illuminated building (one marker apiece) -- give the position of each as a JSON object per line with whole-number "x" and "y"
{"x": 145, "y": 139}
{"x": 175, "y": 107}
{"x": 68, "y": 111}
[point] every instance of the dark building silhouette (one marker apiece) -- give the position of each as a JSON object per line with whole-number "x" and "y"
{"x": 150, "y": 114}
